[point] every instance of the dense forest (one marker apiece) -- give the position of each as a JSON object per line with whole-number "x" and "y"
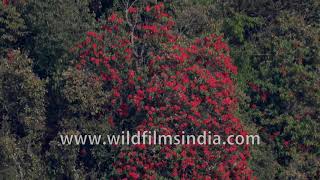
{"x": 105, "y": 66}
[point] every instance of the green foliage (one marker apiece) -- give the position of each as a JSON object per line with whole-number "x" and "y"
{"x": 55, "y": 27}
{"x": 284, "y": 64}
{"x": 22, "y": 100}
{"x": 197, "y": 18}
{"x": 192, "y": 19}
{"x": 12, "y": 28}
{"x": 238, "y": 27}
{"x": 270, "y": 10}
{"x": 83, "y": 101}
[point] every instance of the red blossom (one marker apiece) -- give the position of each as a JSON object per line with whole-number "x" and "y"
{"x": 177, "y": 87}
{"x": 151, "y": 28}
{"x": 148, "y": 8}
{"x": 5, "y": 2}
{"x": 133, "y": 10}
{"x": 134, "y": 175}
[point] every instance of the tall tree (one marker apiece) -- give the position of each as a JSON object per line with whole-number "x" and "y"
{"x": 22, "y": 121}
{"x": 54, "y": 27}
{"x": 12, "y": 28}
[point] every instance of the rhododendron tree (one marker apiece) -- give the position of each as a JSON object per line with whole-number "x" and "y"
{"x": 162, "y": 82}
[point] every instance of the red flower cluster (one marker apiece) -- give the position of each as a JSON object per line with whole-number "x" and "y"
{"x": 5, "y": 2}
{"x": 175, "y": 88}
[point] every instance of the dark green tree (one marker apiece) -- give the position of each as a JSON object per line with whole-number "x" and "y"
{"x": 22, "y": 120}
{"x": 54, "y": 28}
{"x": 285, "y": 92}
{"x": 12, "y": 28}
{"x": 82, "y": 101}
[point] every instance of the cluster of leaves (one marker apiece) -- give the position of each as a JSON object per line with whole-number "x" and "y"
{"x": 82, "y": 101}
{"x": 22, "y": 100}
{"x": 285, "y": 97}
{"x": 52, "y": 28}
{"x": 30, "y": 128}
{"x": 12, "y": 28}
